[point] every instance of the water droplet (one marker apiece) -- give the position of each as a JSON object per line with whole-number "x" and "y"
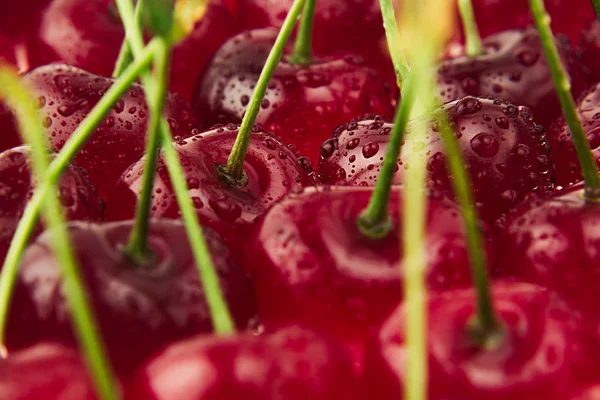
{"x": 39, "y": 102}
{"x": 328, "y": 147}
{"x": 502, "y": 122}
{"x": 370, "y": 149}
{"x": 527, "y": 57}
{"x": 485, "y": 145}
{"x": 352, "y": 144}
{"x": 468, "y": 106}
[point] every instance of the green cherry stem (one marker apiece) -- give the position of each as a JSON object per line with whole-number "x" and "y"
{"x": 137, "y": 248}
{"x": 390, "y": 24}
{"x": 82, "y": 314}
{"x": 29, "y": 219}
{"x": 125, "y": 56}
{"x": 221, "y": 317}
{"x": 234, "y": 168}
{"x": 303, "y": 54}
{"x": 472, "y": 36}
{"x": 596, "y": 4}
{"x": 563, "y": 89}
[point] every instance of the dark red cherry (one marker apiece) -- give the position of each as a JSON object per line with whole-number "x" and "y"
{"x": 312, "y": 265}
{"x": 513, "y": 68}
{"x": 589, "y": 44}
{"x": 7, "y": 50}
{"x": 18, "y": 19}
{"x": 46, "y": 371}
{"x": 9, "y": 133}
{"x": 273, "y": 170}
{"x": 78, "y": 196}
{"x": 139, "y": 308}
{"x": 291, "y": 364}
{"x": 67, "y": 94}
{"x": 302, "y": 105}
{"x": 561, "y": 143}
{"x": 569, "y": 17}
{"x": 588, "y": 393}
{"x": 535, "y": 359}
{"x": 505, "y": 151}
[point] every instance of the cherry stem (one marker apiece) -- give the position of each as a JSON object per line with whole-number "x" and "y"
{"x": 472, "y": 36}
{"x": 401, "y": 67}
{"x": 235, "y": 164}
{"x": 596, "y": 4}
{"x": 125, "y": 56}
{"x": 220, "y": 315}
{"x": 303, "y": 47}
{"x": 563, "y": 89}
{"x": 82, "y": 315}
{"x": 55, "y": 170}
{"x": 138, "y": 247}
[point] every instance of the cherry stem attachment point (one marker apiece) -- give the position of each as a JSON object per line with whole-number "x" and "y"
{"x": 219, "y": 311}
{"x": 82, "y": 315}
{"x": 401, "y": 67}
{"x": 303, "y": 52}
{"x": 235, "y": 164}
{"x": 563, "y": 89}
{"x": 472, "y": 36}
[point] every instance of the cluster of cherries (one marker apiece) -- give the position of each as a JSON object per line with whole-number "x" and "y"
{"x": 317, "y": 302}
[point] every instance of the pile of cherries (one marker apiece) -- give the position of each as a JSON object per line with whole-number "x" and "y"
{"x": 316, "y": 301}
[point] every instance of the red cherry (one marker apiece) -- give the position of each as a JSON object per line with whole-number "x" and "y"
{"x": 9, "y": 137}
{"x": 20, "y": 18}
{"x": 588, "y": 393}
{"x": 589, "y": 43}
{"x": 534, "y": 360}
{"x": 45, "y": 371}
{"x": 139, "y": 308}
{"x": 302, "y": 105}
{"x": 513, "y": 68}
{"x": 505, "y": 152}
{"x": 273, "y": 170}
{"x": 79, "y": 198}
{"x": 312, "y": 265}
{"x": 7, "y": 50}
{"x": 561, "y": 143}
{"x": 67, "y": 94}
{"x": 292, "y": 364}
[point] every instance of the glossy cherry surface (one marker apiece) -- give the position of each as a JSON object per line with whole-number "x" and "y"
{"x": 513, "y": 68}
{"x": 65, "y": 97}
{"x": 273, "y": 170}
{"x": 46, "y": 371}
{"x": 561, "y": 143}
{"x": 78, "y": 196}
{"x": 291, "y": 364}
{"x": 302, "y": 105}
{"x": 504, "y": 149}
{"x": 536, "y": 358}
{"x": 312, "y": 265}
{"x": 139, "y": 308}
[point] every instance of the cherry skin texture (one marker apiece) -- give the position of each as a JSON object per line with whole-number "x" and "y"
{"x": 589, "y": 44}
{"x": 559, "y": 137}
{"x": 535, "y": 359}
{"x": 67, "y": 94}
{"x": 513, "y": 68}
{"x": 139, "y": 308}
{"x": 311, "y": 264}
{"x": 273, "y": 171}
{"x": 9, "y": 133}
{"x": 302, "y": 105}
{"x": 504, "y": 149}
{"x": 78, "y": 196}
{"x": 291, "y": 364}
{"x": 46, "y": 371}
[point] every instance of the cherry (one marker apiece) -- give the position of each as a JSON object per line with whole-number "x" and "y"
{"x": 564, "y": 156}
{"x": 19, "y": 19}
{"x": 139, "y": 308}
{"x": 312, "y": 265}
{"x": 290, "y": 364}
{"x": 67, "y": 94}
{"x": 272, "y": 169}
{"x": 505, "y": 152}
{"x": 7, "y": 50}
{"x": 535, "y": 357}
{"x": 9, "y": 137}
{"x": 588, "y": 393}
{"x": 589, "y": 44}
{"x": 79, "y": 197}
{"x": 45, "y": 371}
{"x": 512, "y": 67}
{"x": 303, "y": 103}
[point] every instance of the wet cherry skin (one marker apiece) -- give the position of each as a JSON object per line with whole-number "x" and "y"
{"x": 302, "y": 105}
{"x": 292, "y": 364}
{"x": 273, "y": 170}
{"x": 513, "y": 68}
{"x": 535, "y": 359}
{"x": 589, "y": 44}
{"x": 139, "y": 308}
{"x": 504, "y": 149}
{"x": 45, "y": 371}
{"x": 561, "y": 143}
{"x": 79, "y": 198}
{"x": 65, "y": 97}
{"x": 311, "y": 264}
{"x": 9, "y": 132}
